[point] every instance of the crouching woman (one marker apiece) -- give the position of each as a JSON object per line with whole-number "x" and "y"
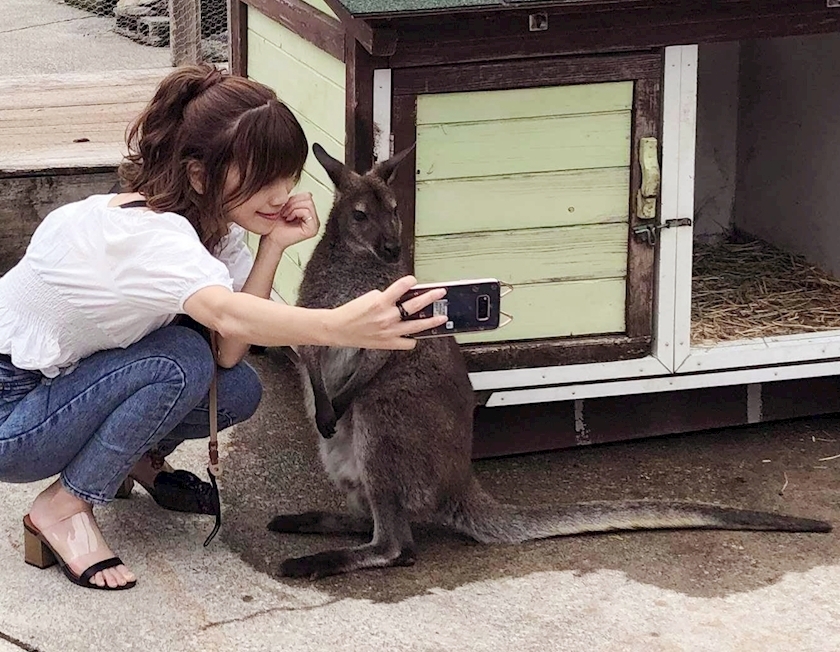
{"x": 98, "y": 383}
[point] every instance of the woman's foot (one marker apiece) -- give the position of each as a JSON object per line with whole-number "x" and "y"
{"x": 147, "y": 468}
{"x": 67, "y": 523}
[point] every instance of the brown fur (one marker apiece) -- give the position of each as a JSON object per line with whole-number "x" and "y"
{"x": 397, "y": 426}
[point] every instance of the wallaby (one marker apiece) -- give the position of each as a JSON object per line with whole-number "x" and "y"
{"x": 397, "y": 426}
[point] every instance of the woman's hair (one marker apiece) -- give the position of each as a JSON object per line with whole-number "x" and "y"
{"x": 225, "y": 123}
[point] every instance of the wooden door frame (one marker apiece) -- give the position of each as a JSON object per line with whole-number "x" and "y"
{"x": 643, "y": 68}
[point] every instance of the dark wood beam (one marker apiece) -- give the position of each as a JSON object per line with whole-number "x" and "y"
{"x": 498, "y": 35}
{"x": 550, "y": 353}
{"x": 404, "y": 129}
{"x": 641, "y": 278}
{"x": 499, "y": 75}
{"x": 359, "y": 137}
{"x": 306, "y": 21}
{"x": 239, "y": 38}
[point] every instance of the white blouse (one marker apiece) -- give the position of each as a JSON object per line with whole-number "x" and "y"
{"x": 96, "y": 277}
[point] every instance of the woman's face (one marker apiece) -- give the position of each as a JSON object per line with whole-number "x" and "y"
{"x": 260, "y": 212}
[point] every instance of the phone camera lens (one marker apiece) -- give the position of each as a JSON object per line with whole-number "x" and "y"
{"x": 482, "y": 307}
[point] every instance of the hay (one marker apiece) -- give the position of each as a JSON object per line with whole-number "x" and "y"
{"x": 746, "y": 288}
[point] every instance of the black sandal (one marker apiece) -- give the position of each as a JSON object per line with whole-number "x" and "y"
{"x": 39, "y": 553}
{"x": 179, "y": 491}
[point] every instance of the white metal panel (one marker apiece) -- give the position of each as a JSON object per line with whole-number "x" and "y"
{"x": 663, "y": 384}
{"x": 685, "y": 201}
{"x": 382, "y": 114}
{"x": 561, "y": 374}
{"x": 663, "y": 347}
{"x": 763, "y": 351}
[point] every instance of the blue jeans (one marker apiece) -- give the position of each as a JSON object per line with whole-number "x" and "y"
{"x": 93, "y": 424}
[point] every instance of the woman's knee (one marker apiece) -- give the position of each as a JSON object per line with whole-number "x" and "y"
{"x": 240, "y": 392}
{"x": 189, "y": 357}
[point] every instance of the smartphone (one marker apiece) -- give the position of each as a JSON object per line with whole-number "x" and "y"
{"x": 470, "y": 306}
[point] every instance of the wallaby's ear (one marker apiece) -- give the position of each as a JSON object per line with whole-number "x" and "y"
{"x": 387, "y": 170}
{"x": 335, "y": 168}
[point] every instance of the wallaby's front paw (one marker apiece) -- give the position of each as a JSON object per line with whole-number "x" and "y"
{"x": 326, "y": 425}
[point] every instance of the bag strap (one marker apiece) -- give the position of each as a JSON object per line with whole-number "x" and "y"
{"x": 213, "y": 445}
{"x": 214, "y": 467}
{"x": 140, "y": 203}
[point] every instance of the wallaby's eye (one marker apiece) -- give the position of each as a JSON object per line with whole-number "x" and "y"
{"x": 359, "y": 216}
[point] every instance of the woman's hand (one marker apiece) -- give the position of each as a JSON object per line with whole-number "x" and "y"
{"x": 298, "y": 221}
{"x": 373, "y": 321}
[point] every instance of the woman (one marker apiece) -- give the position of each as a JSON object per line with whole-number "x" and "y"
{"x": 97, "y": 384}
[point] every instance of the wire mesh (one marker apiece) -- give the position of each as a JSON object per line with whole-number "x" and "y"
{"x": 194, "y": 30}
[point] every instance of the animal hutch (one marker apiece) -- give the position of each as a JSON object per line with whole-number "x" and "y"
{"x": 659, "y": 180}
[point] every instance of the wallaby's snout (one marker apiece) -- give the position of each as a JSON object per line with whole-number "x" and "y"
{"x": 389, "y": 251}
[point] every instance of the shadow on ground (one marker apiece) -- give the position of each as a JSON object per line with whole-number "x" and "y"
{"x": 272, "y": 468}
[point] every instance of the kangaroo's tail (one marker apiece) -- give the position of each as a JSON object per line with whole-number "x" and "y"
{"x": 480, "y": 516}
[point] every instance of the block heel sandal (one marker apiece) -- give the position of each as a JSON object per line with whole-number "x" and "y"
{"x": 39, "y": 553}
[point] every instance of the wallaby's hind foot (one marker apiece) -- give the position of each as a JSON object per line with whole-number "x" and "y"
{"x": 335, "y": 562}
{"x": 392, "y": 545}
{"x": 321, "y": 523}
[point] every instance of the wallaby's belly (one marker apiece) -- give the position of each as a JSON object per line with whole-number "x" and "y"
{"x": 337, "y": 365}
{"x": 416, "y": 421}
{"x": 340, "y": 462}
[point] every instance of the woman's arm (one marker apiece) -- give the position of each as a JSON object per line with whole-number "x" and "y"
{"x": 371, "y": 321}
{"x": 258, "y": 284}
{"x": 298, "y": 221}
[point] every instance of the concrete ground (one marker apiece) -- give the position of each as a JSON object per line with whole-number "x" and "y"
{"x": 47, "y": 36}
{"x": 644, "y": 591}
{"x": 641, "y": 591}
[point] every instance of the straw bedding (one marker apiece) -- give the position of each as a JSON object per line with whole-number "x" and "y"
{"x": 746, "y": 288}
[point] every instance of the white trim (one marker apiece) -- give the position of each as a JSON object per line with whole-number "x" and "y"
{"x": 382, "y": 146}
{"x": 670, "y": 383}
{"x": 663, "y": 347}
{"x": 685, "y": 202}
{"x": 762, "y": 352}
{"x": 576, "y": 373}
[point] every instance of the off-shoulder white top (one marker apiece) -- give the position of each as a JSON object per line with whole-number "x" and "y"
{"x": 96, "y": 277}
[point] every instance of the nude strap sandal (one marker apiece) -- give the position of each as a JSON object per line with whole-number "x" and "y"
{"x": 39, "y": 553}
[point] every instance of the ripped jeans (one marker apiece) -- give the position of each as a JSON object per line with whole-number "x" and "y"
{"x": 93, "y": 424}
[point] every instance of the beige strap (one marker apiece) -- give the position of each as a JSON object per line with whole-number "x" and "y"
{"x": 215, "y": 466}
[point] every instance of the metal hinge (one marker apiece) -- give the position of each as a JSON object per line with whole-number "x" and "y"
{"x": 647, "y": 232}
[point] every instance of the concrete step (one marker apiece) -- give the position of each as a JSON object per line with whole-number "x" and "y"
{"x": 61, "y": 139}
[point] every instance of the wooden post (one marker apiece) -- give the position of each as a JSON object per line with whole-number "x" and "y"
{"x": 358, "y": 147}
{"x": 238, "y": 30}
{"x": 185, "y": 32}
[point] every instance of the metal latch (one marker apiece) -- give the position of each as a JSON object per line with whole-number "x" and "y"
{"x": 649, "y": 190}
{"x": 647, "y": 232}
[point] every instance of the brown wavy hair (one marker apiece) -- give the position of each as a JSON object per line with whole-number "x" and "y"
{"x": 225, "y": 123}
